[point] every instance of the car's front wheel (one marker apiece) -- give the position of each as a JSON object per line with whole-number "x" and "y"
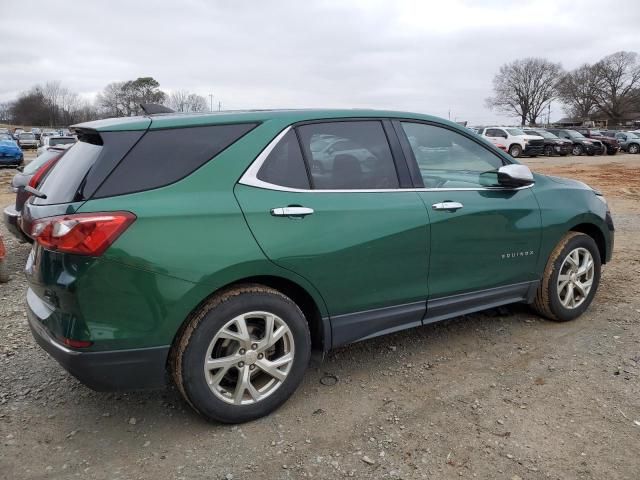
{"x": 515, "y": 150}
{"x": 570, "y": 279}
{"x": 242, "y": 354}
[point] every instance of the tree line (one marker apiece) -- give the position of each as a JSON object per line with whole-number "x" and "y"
{"x": 54, "y": 105}
{"x": 611, "y": 87}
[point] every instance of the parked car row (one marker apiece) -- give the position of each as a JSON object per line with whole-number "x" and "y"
{"x": 532, "y": 142}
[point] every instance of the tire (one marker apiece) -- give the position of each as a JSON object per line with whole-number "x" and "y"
{"x": 564, "y": 154}
{"x": 611, "y": 152}
{"x": 633, "y": 148}
{"x": 548, "y": 302}
{"x": 548, "y": 151}
{"x": 577, "y": 150}
{"x": 207, "y": 337}
{"x": 515, "y": 150}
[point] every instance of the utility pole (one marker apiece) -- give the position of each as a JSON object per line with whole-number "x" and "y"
{"x": 548, "y": 115}
{"x": 219, "y": 105}
{"x": 211, "y": 102}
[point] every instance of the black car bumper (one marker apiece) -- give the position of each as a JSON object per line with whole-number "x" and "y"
{"x": 563, "y": 149}
{"x": 533, "y": 150}
{"x": 11, "y": 219}
{"x": 118, "y": 370}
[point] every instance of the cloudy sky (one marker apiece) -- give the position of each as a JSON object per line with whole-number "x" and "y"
{"x": 425, "y": 56}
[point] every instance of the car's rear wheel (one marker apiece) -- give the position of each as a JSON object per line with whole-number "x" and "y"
{"x": 548, "y": 151}
{"x": 570, "y": 279}
{"x": 515, "y": 150}
{"x": 577, "y": 150}
{"x": 242, "y": 354}
{"x": 634, "y": 148}
{"x": 611, "y": 151}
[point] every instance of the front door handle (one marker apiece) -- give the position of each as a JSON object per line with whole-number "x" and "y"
{"x": 291, "y": 211}
{"x": 448, "y": 206}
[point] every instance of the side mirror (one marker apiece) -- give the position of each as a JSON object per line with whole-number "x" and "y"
{"x": 515, "y": 175}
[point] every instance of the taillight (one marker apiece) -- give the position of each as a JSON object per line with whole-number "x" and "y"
{"x": 41, "y": 172}
{"x": 70, "y": 342}
{"x": 82, "y": 233}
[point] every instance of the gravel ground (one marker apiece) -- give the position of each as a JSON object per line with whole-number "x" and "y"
{"x": 501, "y": 394}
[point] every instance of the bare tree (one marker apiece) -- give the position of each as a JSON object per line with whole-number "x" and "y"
{"x": 110, "y": 101}
{"x": 183, "y": 101}
{"x": 5, "y": 111}
{"x": 52, "y": 92}
{"x": 577, "y": 91}
{"x": 524, "y": 88}
{"x": 618, "y": 84}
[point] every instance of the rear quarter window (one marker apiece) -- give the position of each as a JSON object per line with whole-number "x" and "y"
{"x": 163, "y": 157}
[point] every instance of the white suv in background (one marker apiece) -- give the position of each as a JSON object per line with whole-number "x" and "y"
{"x": 515, "y": 141}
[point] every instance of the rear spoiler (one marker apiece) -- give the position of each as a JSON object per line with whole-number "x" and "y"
{"x": 153, "y": 108}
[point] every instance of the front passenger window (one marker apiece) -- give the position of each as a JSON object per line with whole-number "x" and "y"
{"x": 448, "y": 159}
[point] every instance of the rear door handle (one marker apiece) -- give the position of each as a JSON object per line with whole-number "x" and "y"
{"x": 448, "y": 206}
{"x": 291, "y": 211}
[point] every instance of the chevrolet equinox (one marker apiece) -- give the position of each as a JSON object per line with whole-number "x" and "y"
{"x": 218, "y": 250}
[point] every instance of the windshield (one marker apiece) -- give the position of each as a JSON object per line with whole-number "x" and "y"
{"x": 4, "y": 136}
{"x": 26, "y": 136}
{"x": 597, "y": 132}
{"x": 545, "y": 134}
{"x": 515, "y": 131}
{"x": 574, "y": 134}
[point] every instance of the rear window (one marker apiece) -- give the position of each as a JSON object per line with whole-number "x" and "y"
{"x": 163, "y": 157}
{"x": 85, "y": 166}
{"x": 115, "y": 163}
{"x": 61, "y": 141}
{"x": 40, "y": 160}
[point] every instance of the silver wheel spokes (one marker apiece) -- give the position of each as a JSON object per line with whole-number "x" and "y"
{"x": 575, "y": 278}
{"x": 249, "y": 358}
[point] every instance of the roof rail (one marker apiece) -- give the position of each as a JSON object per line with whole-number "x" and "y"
{"x": 153, "y": 108}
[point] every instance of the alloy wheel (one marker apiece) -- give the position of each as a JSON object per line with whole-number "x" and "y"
{"x": 634, "y": 148}
{"x": 249, "y": 358}
{"x": 575, "y": 278}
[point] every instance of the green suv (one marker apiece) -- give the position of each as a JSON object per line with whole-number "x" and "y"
{"x": 218, "y": 251}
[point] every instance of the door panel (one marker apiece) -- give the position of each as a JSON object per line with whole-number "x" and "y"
{"x": 361, "y": 250}
{"x": 492, "y": 240}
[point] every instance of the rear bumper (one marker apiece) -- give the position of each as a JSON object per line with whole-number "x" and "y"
{"x": 11, "y": 218}
{"x": 118, "y": 370}
{"x": 11, "y": 159}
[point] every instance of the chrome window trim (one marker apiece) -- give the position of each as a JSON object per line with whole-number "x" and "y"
{"x": 250, "y": 178}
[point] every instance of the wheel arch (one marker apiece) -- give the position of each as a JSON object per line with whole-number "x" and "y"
{"x": 312, "y": 307}
{"x": 594, "y": 232}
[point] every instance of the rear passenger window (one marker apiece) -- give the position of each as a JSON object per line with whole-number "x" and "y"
{"x": 163, "y": 157}
{"x": 348, "y": 155}
{"x": 285, "y": 166}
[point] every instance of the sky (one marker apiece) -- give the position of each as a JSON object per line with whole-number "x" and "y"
{"x": 435, "y": 57}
